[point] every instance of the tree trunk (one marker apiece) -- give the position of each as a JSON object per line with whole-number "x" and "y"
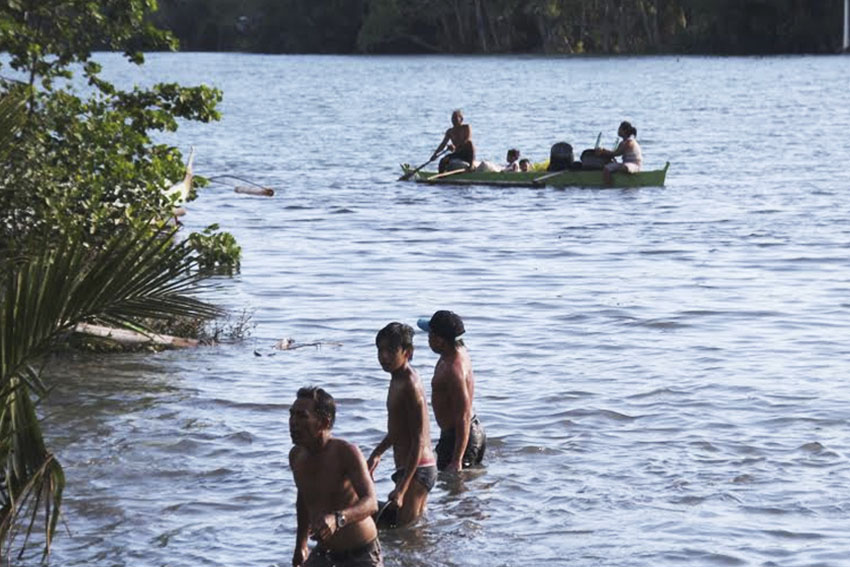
{"x": 127, "y": 337}
{"x": 461, "y": 25}
{"x": 480, "y": 26}
{"x": 649, "y": 21}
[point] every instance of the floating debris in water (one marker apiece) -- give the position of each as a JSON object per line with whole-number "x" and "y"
{"x": 290, "y": 344}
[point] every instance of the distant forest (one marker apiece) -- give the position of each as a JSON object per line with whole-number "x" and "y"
{"x": 506, "y": 26}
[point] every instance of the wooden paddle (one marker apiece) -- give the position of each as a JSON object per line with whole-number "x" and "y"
{"x": 542, "y": 178}
{"x": 445, "y": 174}
{"x": 410, "y": 174}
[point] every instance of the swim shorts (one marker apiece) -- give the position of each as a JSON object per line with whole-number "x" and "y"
{"x": 474, "y": 447}
{"x": 425, "y": 475}
{"x": 387, "y": 516}
{"x": 367, "y": 556}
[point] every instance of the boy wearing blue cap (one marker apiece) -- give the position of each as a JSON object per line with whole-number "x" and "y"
{"x": 462, "y": 439}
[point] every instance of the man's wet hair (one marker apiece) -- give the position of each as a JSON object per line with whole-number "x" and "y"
{"x": 459, "y": 113}
{"x": 325, "y": 406}
{"x": 397, "y": 335}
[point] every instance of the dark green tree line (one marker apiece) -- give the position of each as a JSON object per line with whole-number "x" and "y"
{"x": 506, "y": 26}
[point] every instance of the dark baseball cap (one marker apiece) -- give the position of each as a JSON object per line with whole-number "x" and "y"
{"x": 446, "y": 324}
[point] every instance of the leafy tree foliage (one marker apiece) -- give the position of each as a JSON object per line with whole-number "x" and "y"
{"x": 87, "y": 161}
{"x": 83, "y": 213}
{"x": 133, "y": 276}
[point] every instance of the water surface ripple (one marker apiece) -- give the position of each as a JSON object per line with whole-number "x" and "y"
{"x": 662, "y": 372}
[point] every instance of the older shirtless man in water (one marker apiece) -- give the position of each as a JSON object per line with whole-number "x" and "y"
{"x": 462, "y": 439}
{"x": 336, "y": 496}
{"x": 458, "y": 139}
{"x": 408, "y": 430}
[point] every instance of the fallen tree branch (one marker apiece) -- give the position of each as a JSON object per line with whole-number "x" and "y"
{"x": 127, "y": 337}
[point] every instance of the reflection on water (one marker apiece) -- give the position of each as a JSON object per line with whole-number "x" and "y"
{"x": 660, "y": 371}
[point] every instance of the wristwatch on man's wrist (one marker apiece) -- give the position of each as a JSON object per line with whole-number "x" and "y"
{"x": 340, "y": 520}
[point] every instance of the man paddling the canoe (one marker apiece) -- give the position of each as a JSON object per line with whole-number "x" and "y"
{"x": 458, "y": 139}
{"x": 336, "y": 496}
{"x": 462, "y": 440}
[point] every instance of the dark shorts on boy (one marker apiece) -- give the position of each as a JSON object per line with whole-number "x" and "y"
{"x": 387, "y": 516}
{"x": 426, "y": 475}
{"x": 367, "y": 556}
{"x": 474, "y": 447}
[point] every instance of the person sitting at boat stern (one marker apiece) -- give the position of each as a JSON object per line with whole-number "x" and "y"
{"x": 336, "y": 496}
{"x": 628, "y": 148}
{"x": 408, "y": 431}
{"x": 462, "y": 439}
{"x": 458, "y": 139}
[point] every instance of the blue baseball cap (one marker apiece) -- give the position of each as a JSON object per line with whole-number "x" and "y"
{"x": 443, "y": 323}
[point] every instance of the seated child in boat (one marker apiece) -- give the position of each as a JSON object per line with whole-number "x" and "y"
{"x": 628, "y": 148}
{"x": 512, "y": 159}
{"x": 525, "y": 164}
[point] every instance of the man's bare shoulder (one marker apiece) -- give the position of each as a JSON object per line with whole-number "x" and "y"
{"x": 342, "y": 449}
{"x": 297, "y": 456}
{"x": 406, "y": 379}
{"x": 451, "y": 365}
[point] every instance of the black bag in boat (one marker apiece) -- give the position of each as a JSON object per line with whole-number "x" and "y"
{"x": 561, "y": 158}
{"x": 589, "y": 160}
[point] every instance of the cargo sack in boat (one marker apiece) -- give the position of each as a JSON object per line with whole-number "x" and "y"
{"x": 589, "y": 160}
{"x": 561, "y": 157}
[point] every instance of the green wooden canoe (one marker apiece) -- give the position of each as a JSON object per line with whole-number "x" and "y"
{"x": 649, "y": 178}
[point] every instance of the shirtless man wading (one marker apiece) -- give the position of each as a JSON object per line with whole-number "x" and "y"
{"x": 462, "y": 439}
{"x": 336, "y": 496}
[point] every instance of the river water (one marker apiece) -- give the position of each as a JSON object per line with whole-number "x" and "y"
{"x": 662, "y": 372}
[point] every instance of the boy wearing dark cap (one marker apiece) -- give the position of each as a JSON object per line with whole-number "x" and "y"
{"x": 462, "y": 440}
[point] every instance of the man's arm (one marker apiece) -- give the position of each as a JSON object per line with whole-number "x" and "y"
{"x": 618, "y": 151}
{"x": 375, "y": 457}
{"x": 463, "y": 415}
{"x": 442, "y": 145}
{"x": 301, "y": 552}
{"x": 355, "y": 468}
{"x": 415, "y": 408}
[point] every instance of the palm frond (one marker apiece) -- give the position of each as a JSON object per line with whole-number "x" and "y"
{"x": 136, "y": 275}
{"x": 30, "y": 471}
{"x": 12, "y": 117}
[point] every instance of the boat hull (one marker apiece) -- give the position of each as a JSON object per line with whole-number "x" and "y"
{"x": 650, "y": 178}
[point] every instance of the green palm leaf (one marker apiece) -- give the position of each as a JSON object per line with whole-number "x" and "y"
{"x": 134, "y": 276}
{"x": 12, "y": 117}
